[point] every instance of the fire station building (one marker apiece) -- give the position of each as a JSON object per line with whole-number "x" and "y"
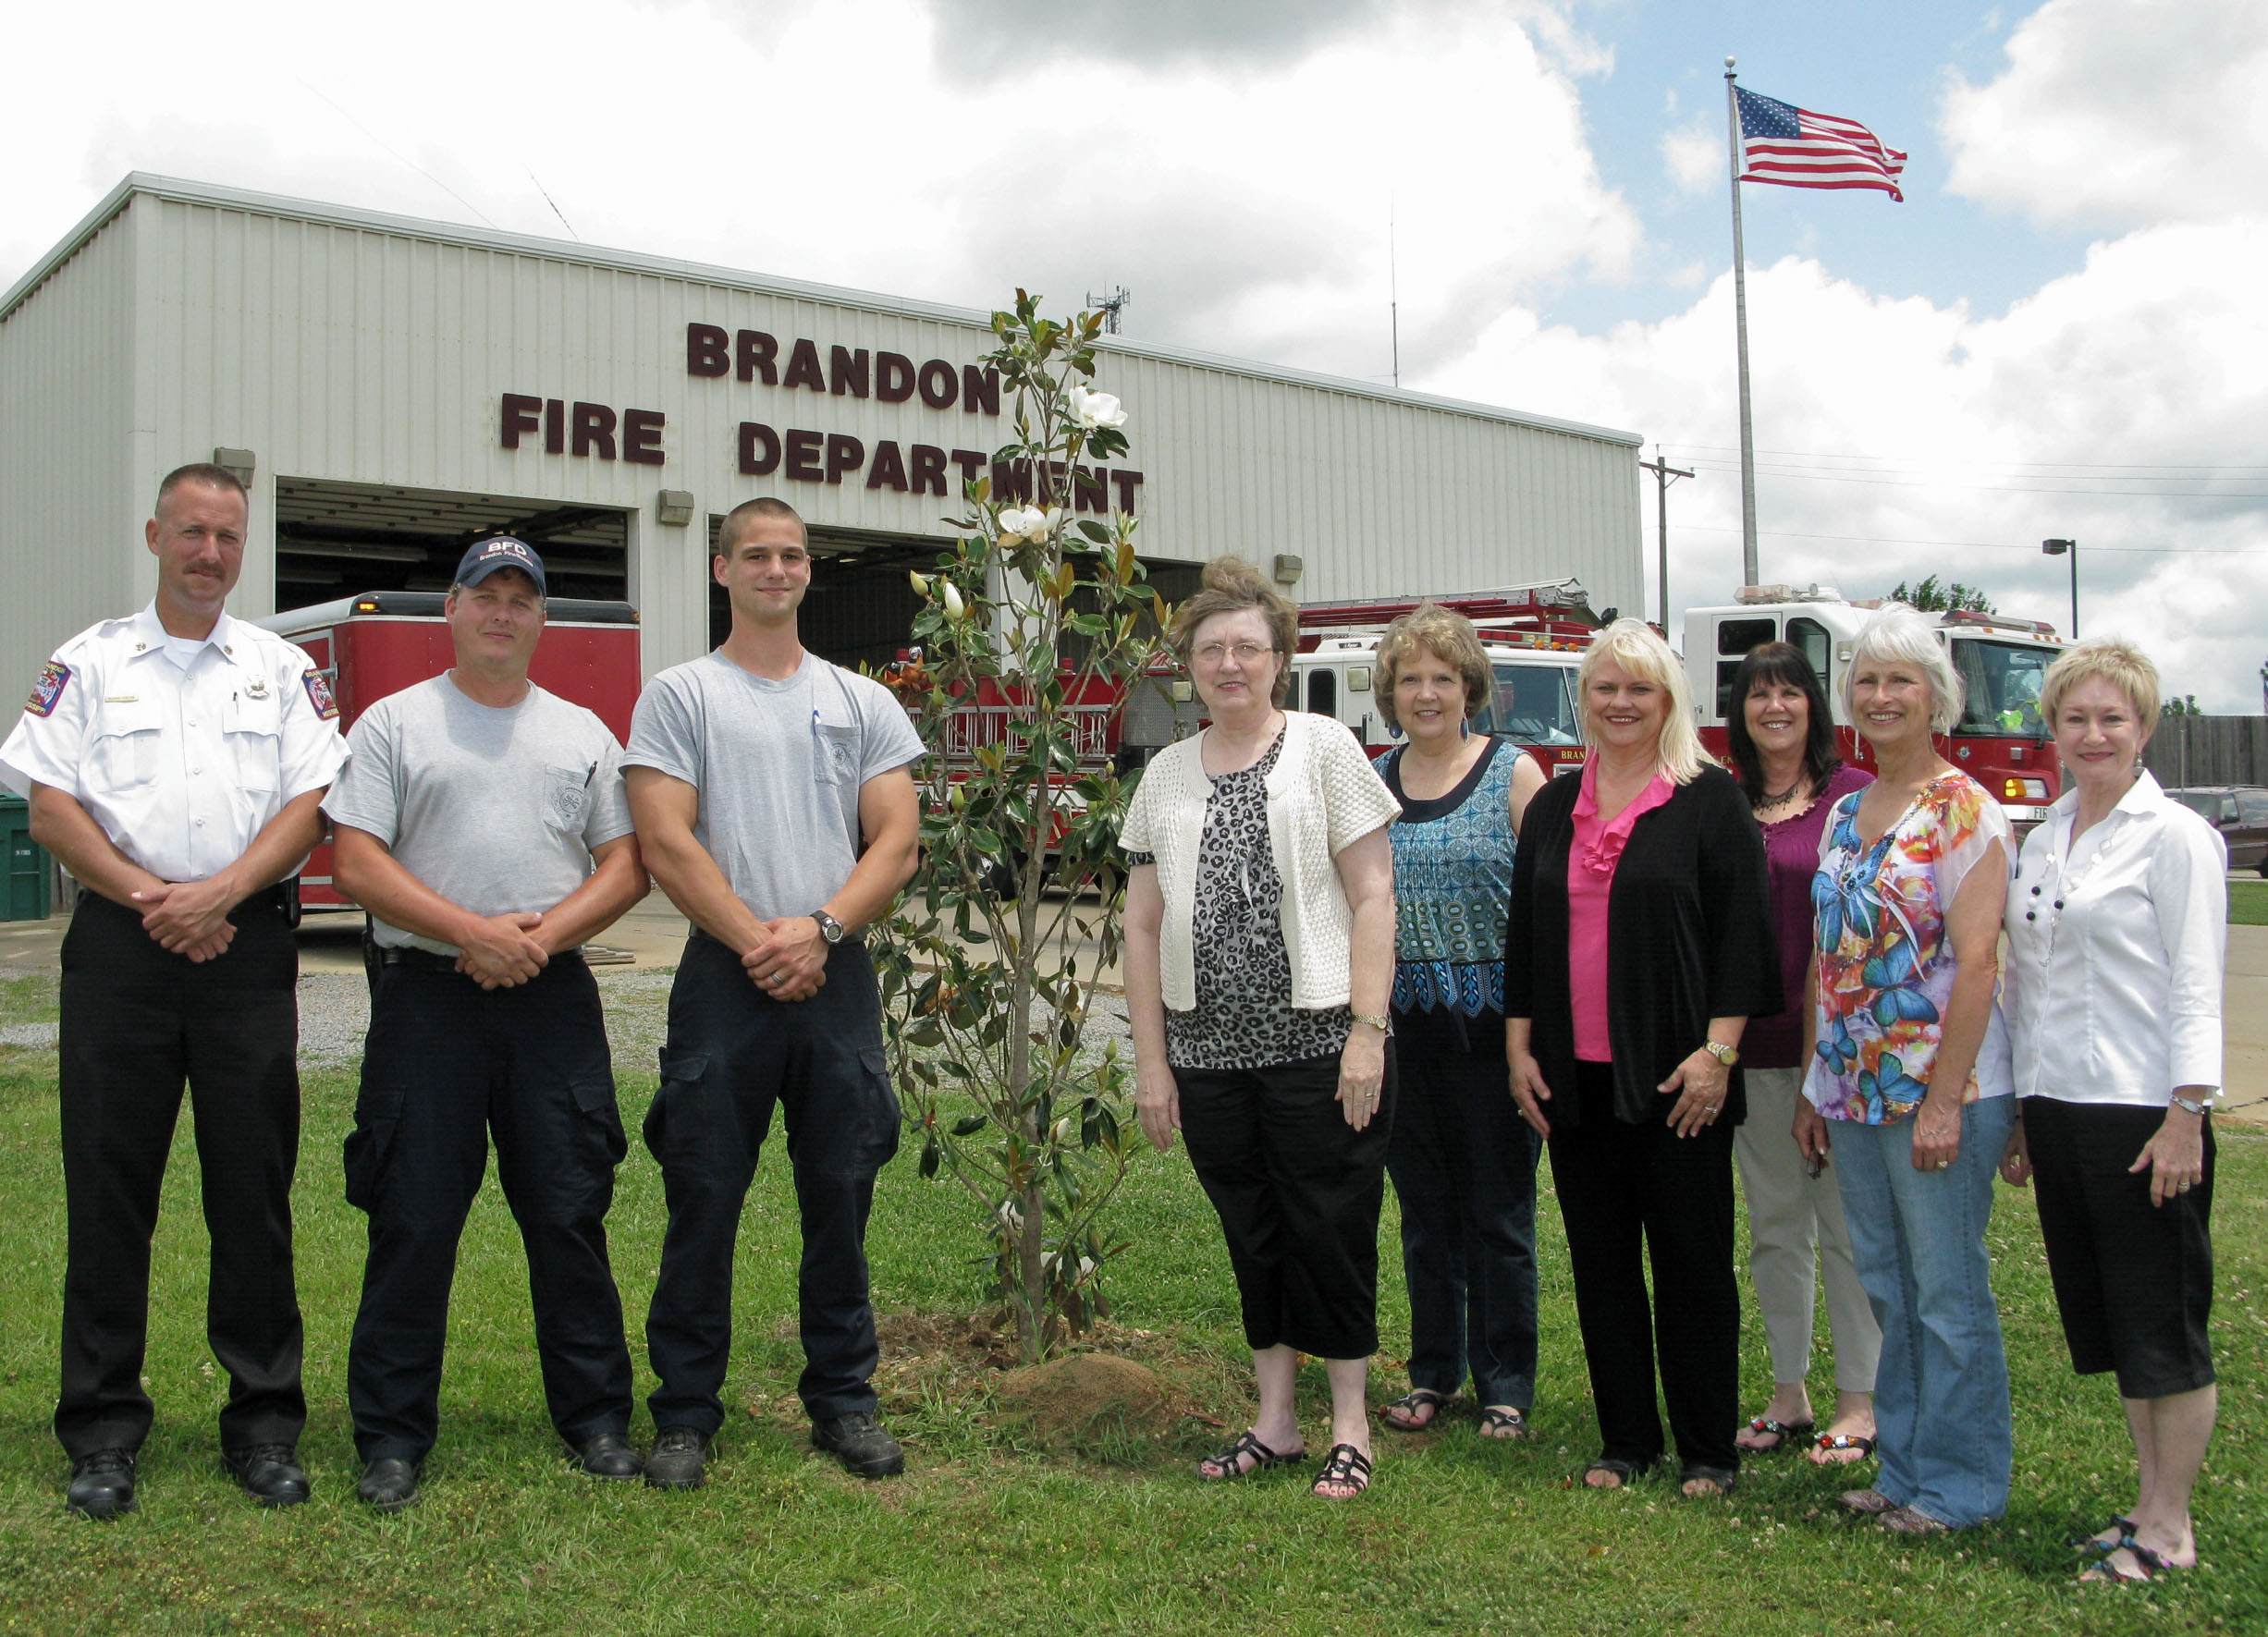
{"x": 393, "y": 388}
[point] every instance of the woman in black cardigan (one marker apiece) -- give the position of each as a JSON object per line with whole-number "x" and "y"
{"x": 1640, "y": 945}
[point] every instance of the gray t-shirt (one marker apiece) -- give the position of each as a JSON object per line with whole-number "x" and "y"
{"x": 496, "y": 810}
{"x": 779, "y": 766}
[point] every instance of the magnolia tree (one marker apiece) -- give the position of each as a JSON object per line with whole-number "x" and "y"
{"x": 1034, "y": 631}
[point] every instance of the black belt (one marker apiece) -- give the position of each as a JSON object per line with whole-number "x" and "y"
{"x": 425, "y": 960}
{"x": 277, "y": 898}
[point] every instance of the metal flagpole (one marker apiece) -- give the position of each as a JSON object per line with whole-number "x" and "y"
{"x": 1740, "y": 314}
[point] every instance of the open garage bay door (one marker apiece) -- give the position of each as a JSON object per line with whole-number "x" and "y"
{"x": 861, "y": 606}
{"x": 335, "y": 540}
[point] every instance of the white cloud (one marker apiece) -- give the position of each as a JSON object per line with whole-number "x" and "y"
{"x": 2119, "y": 113}
{"x": 1694, "y": 155}
{"x": 2086, "y": 411}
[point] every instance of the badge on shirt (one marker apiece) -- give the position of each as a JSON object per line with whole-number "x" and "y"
{"x": 256, "y": 688}
{"x": 319, "y": 695}
{"x": 45, "y": 692}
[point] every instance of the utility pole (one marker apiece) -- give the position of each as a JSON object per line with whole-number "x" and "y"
{"x": 1664, "y": 475}
{"x": 1110, "y": 306}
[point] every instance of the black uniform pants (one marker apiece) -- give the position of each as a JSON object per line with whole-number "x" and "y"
{"x": 1631, "y": 1195}
{"x": 137, "y": 1023}
{"x": 733, "y": 1053}
{"x": 445, "y": 1064}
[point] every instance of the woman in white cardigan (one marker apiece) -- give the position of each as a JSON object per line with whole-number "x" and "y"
{"x": 2116, "y": 925}
{"x": 1259, "y": 963}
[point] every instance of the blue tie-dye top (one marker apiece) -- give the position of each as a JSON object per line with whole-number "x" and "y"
{"x": 1452, "y": 888}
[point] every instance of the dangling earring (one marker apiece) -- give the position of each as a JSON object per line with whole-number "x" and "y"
{"x": 1465, "y": 728}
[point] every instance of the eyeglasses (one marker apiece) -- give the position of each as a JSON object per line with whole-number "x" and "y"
{"x": 1212, "y": 653}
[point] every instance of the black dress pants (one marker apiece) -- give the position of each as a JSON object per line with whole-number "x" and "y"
{"x": 445, "y": 1064}
{"x": 733, "y": 1054}
{"x": 1298, "y": 1192}
{"x": 137, "y": 1023}
{"x": 1630, "y": 1194}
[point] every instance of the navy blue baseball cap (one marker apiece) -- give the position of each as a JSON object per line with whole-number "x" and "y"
{"x": 502, "y": 551}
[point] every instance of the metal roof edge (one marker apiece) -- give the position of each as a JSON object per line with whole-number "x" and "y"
{"x": 71, "y": 243}
{"x": 213, "y": 194}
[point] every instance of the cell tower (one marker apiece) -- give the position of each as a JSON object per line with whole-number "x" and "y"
{"x": 1110, "y": 306}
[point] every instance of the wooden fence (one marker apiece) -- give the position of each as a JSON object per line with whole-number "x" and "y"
{"x": 2209, "y": 750}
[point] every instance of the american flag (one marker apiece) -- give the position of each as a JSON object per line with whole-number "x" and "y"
{"x": 1792, "y": 146}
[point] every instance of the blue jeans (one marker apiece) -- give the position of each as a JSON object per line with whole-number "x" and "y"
{"x": 1940, "y": 1392}
{"x": 1464, "y": 1165}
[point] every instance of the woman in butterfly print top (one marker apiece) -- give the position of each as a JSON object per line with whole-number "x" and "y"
{"x": 1910, "y": 1069}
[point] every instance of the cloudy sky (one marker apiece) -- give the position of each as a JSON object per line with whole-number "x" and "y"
{"x": 2059, "y": 334}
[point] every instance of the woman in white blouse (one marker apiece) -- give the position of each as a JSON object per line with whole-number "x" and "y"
{"x": 2115, "y": 930}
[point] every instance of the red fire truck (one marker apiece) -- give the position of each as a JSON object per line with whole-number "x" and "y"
{"x": 380, "y": 643}
{"x": 2000, "y": 741}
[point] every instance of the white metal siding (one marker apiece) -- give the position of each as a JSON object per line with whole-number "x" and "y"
{"x": 71, "y": 549}
{"x": 378, "y": 352}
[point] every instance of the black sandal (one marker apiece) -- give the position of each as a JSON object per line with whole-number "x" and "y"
{"x": 1230, "y": 1462}
{"x": 1344, "y": 1464}
{"x": 2120, "y": 1525}
{"x": 1508, "y": 1422}
{"x": 1406, "y": 1407}
{"x": 1624, "y": 1473}
{"x": 1785, "y": 1434}
{"x": 2149, "y": 1566}
{"x": 1722, "y": 1481}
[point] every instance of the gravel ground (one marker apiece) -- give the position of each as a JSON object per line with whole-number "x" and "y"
{"x": 335, "y": 1014}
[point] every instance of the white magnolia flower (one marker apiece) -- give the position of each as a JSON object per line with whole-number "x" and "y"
{"x": 1092, "y": 410}
{"x": 954, "y": 607}
{"x": 1028, "y": 522}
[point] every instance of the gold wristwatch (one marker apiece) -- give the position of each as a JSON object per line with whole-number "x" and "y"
{"x": 1383, "y": 1024}
{"x": 1726, "y": 1055}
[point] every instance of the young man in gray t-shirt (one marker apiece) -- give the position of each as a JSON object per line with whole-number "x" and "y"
{"x": 482, "y": 825}
{"x": 775, "y": 807}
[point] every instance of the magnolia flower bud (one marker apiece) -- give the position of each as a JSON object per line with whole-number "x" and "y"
{"x": 921, "y": 583}
{"x": 954, "y": 607}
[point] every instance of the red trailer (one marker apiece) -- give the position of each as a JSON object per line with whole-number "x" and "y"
{"x": 382, "y": 642}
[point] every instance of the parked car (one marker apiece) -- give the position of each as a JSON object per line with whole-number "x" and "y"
{"x": 2240, "y": 813}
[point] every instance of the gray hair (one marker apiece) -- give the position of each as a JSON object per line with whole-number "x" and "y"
{"x": 1901, "y": 636}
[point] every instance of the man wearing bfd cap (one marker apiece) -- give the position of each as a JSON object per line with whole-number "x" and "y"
{"x": 174, "y": 761}
{"x": 482, "y": 825}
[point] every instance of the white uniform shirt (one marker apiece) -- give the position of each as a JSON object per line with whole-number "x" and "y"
{"x": 2116, "y": 997}
{"x": 180, "y": 767}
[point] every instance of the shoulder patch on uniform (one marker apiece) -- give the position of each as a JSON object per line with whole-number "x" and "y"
{"x": 54, "y": 676}
{"x": 319, "y": 695}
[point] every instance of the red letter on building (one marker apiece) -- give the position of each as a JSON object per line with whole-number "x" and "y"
{"x": 595, "y": 430}
{"x": 928, "y": 470}
{"x": 804, "y": 456}
{"x": 757, "y": 352}
{"x": 844, "y": 453}
{"x": 642, "y": 436}
{"x": 889, "y": 468}
{"x": 705, "y": 351}
{"x": 893, "y": 377}
{"x": 759, "y": 449}
{"x": 804, "y": 368}
{"x": 980, "y": 389}
{"x": 520, "y": 413}
{"x": 941, "y": 384}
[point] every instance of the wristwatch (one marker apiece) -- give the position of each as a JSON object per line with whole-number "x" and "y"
{"x": 2186, "y": 1106}
{"x": 830, "y": 928}
{"x": 1726, "y": 1055}
{"x": 1383, "y": 1024}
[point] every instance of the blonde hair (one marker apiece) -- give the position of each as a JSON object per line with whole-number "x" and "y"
{"x": 1900, "y": 635}
{"x": 1450, "y": 638}
{"x": 2110, "y": 659}
{"x": 1231, "y": 585}
{"x": 1639, "y": 651}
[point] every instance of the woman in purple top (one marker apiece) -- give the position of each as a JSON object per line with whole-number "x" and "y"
{"x": 1783, "y": 744}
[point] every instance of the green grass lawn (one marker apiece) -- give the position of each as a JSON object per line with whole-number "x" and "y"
{"x": 984, "y": 1536}
{"x": 2247, "y": 903}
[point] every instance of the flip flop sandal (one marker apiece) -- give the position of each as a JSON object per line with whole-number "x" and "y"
{"x": 1867, "y": 1503}
{"x": 1401, "y": 1414}
{"x": 1345, "y": 1466}
{"x": 2120, "y": 1525}
{"x": 1720, "y": 1480}
{"x": 1504, "y": 1421}
{"x": 1624, "y": 1473}
{"x": 1230, "y": 1462}
{"x": 1784, "y": 1435}
{"x": 1859, "y": 1447}
{"x": 2148, "y": 1566}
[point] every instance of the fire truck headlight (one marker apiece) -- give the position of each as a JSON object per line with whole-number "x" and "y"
{"x": 2024, "y": 789}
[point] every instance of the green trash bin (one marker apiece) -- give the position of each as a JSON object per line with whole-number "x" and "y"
{"x": 28, "y": 869}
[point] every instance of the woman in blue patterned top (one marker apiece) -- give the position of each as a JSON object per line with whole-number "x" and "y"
{"x": 1462, "y": 1159}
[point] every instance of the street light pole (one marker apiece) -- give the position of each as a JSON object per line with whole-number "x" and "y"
{"x": 2067, "y": 549}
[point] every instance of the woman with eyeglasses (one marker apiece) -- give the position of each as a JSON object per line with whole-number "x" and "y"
{"x": 1259, "y": 964}
{"x": 1910, "y": 1073}
{"x": 2116, "y": 928}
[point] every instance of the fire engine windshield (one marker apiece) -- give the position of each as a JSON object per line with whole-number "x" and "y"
{"x": 2002, "y": 683}
{"x": 1535, "y": 705}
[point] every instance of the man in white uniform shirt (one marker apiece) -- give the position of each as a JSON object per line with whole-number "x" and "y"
{"x": 775, "y": 807}
{"x": 174, "y": 761}
{"x": 481, "y": 823}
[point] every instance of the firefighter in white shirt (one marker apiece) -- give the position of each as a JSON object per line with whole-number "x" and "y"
{"x": 176, "y": 762}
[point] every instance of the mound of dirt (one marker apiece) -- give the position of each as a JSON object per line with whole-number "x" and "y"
{"x": 1086, "y": 1399}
